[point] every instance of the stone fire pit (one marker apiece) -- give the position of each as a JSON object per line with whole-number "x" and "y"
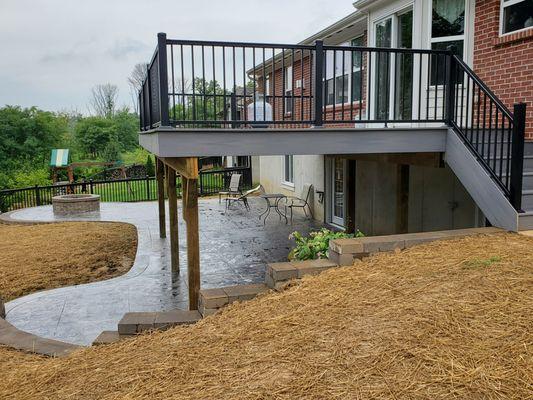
{"x": 71, "y": 204}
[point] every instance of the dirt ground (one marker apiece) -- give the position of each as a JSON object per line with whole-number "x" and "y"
{"x": 446, "y": 320}
{"x": 38, "y": 257}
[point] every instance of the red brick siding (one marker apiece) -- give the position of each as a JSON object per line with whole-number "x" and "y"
{"x": 505, "y": 64}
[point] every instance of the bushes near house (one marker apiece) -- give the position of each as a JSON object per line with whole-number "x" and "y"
{"x": 316, "y": 244}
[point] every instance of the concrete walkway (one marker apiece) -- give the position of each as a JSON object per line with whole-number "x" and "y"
{"x": 235, "y": 248}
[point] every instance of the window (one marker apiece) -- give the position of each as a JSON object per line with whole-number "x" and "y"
{"x": 515, "y": 15}
{"x": 447, "y": 29}
{"x": 339, "y": 82}
{"x": 357, "y": 69}
{"x": 288, "y": 167}
{"x": 288, "y": 89}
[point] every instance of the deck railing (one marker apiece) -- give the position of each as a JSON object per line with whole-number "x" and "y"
{"x": 120, "y": 190}
{"x": 205, "y": 84}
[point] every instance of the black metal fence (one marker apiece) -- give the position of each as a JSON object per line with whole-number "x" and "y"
{"x": 126, "y": 190}
{"x": 232, "y": 84}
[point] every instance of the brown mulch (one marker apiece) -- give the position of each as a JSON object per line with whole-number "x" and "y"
{"x": 46, "y": 256}
{"x": 445, "y": 320}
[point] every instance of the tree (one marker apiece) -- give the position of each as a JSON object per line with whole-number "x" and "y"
{"x": 150, "y": 168}
{"x": 93, "y": 134}
{"x": 135, "y": 81}
{"x": 104, "y": 100}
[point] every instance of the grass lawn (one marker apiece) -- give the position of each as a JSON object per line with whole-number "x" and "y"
{"x": 37, "y": 257}
{"x": 444, "y": 320}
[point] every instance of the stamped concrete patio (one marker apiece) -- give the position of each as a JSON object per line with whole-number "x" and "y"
{"x": 234, "y": 249}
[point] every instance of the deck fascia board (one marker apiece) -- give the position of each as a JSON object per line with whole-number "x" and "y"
{"x": 172, "y": 142}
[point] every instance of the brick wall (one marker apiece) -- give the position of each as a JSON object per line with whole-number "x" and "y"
{"x": 505, "y": 63}
{"x": 304, "y": 106}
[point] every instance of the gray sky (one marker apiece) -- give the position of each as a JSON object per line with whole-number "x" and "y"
{"x": 55, "y": 51}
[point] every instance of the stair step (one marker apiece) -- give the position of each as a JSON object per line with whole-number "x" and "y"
{"x": 106, "y": 337}
{"x": 133, "y": 323}
{"x": 525, "y": 221}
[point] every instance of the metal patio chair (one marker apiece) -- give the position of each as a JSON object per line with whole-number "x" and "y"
{"x": 234, "y": 188}
{"x": 292, "y": 202}
{"x": 243, "y": 198}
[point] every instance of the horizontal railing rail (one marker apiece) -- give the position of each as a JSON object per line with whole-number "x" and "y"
{"x": 210, "y": 182}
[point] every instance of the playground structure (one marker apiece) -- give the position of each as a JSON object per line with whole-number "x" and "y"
{"x": 60, "y": 160}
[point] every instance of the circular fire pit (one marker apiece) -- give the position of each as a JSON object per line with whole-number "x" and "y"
{"x": 71, "y": 204}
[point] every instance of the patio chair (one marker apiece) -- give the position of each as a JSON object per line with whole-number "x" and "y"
{"x": 243, "y": 198}
{"x": 234, "y": 188}
{"x": 300, "y": 202}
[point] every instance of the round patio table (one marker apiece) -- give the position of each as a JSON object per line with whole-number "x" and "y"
{"x": 272, "y": 201}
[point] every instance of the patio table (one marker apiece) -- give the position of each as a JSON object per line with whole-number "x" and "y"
{"x": 272, "y": 201}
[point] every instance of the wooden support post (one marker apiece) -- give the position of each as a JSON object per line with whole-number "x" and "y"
{"x": 173, "y": 218}
{"x": 160, "y": 177}
{"x": 190, "y": 214}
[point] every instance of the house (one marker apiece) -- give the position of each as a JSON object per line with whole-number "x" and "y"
{"x": 387, "y": 194}
{"x": 381, "y": 112}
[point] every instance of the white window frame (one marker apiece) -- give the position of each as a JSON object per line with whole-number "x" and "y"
{"x": 332, "y": 218}
{"x": 504, "y": 4}
{"x": 288, "y": 89}
{"x": 289, "y": 172}
{"x": 452, "y": 38}
{"x": 349, "y": 71}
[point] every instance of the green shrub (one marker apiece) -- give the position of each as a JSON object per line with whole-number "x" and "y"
{"x": 316, "y": 245}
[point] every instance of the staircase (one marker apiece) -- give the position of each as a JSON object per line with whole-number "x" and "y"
{"x": 486, "y": 149}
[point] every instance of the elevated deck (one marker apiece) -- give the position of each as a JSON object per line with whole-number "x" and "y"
{"x": 180, "y": 142}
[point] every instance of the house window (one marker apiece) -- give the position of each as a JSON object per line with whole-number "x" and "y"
{"x": 447, "y": 29}
{"x": 357, "y": 69}
{"x": 341, "y": 86}
{"x": 515, "y": 15}
{"x": 288, "y": 167}
{"x": 288, "y": 89}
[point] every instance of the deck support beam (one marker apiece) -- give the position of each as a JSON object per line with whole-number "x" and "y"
{"x": 173, "y": 219}
{"x": 160, "y": 178}
{"x": 190, "y": 214}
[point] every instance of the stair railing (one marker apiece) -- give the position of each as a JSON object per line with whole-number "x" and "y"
{"x": 493, "y": 134}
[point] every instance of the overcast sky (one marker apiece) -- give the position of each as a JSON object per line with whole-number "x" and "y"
{"x": 55, "y": 51}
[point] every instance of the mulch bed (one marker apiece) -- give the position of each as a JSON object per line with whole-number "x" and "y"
{"x": 444, "y": 320}
{"x": 46, "y": 256}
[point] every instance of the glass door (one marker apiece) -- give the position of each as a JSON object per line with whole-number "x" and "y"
{"x": 338, "y": 183}
{"x": 393, "y": 72}
{"x": 382, "y": 73}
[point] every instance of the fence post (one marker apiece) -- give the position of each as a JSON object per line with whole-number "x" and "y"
{"x": 319, "y": 82}
{"x": 90, "y": 186}
{"x": 450, "y": 85}
{"x": 201, "y": 186}
{"x": 517, "y": 155}
{"x": 147, "y": 187}
{"x": 37, "y": 195}
{"x": 163, "y": 78}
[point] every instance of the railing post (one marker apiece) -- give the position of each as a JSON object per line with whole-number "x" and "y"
{"x": 233, "y": 110}
{"x": 90, "y": 186}
{"x": 319, "y": 82}
{"x": 201, "y": 186}
{"x": 450, "y": 85}
{"x": 37, "y": 195}
{"x": 517, "y": 155}
{"x": 147, "y": 187}
{"x": 163, "y": 78}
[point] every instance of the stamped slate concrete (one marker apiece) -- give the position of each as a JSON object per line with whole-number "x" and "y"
{"x": 235, "y": 248}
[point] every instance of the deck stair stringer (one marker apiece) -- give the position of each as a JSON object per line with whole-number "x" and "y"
{"x": 479, "y": 184}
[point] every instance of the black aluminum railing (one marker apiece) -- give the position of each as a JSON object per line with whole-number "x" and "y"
{"x": 201, "y": 84}
{"x": 487, "y": 127}
{"x": 210, "y": 183}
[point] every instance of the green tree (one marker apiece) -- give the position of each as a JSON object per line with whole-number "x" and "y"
{"x": 93, "y": 134}
{"x": 150, "y": 167}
